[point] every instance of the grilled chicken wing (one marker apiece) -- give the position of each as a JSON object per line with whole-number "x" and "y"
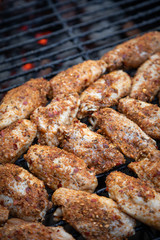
{"x": 17, "y": 229}
{"x": 132, "y": 53}
{"x": 98, "y": 153}
{"x": 58, "y": 168}
{"x": 51, "y": 118}
{"x": 93, "y": 216}
{"x": 78, "y": 77}
{"x": 105, "y": 92}
{"x": 124, "y": 133}
{"x": 22, "y": 193}
{"x": 135, "y": 198}
{"x": 4, "y": 214}
{"x": 146, "y": 82}
{"x": 20, "y": 102}
{"x": 146, "y": 115}
{"x": 15, "y": 140}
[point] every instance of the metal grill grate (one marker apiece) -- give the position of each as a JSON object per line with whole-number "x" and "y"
{"x": 42, "y": 38}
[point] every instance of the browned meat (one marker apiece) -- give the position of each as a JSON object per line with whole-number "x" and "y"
{"x": 135, "y": 198}
{"x": 78, "y": 77}
{"x": 58, "y": 168}
{"x": 95, "y": 217}
{"x": 15, "y": 140}
{"x": 132, "y": 53}
{"x": 4, "y": 214}
{"x": 146, "y": 115}
{"x": 98, "y": 153}
{"x": 23, "y": 194}
{"x": 105, "y": 92}
{"x": 50, "y": 119}
{"x": 124, "y": 133}
{"x": 146, "y": 83}
{"x": 20, "y": 102}
{"x": 17, "y": 229}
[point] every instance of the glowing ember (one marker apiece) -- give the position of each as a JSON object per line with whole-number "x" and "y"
{"x": 27, "y": 66}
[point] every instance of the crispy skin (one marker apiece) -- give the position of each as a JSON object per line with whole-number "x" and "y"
{"x": 23, "y": 194}
{"x": 50, "y": 119}
{"x": 78, "y": 77}
{"x": 124, "y": 133}
{"x": 17, "y": 229}
{"x": 105, "y": 92}
{"x": 145, "y": 115}
{"x": 58, "y": 168}
{"x": 15, "y": 140}
{"x": 146, "y": 82}
{"x": 98, "y": 153}
{"x": 94, "y": 217}
{"x": 4, "y": 214}
{"x": 135, "y": 198}
{"x": 20, "y": 102}
{"x": 132, "y": 53}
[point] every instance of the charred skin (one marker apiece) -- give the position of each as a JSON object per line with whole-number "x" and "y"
{"x": 4, "y": 214}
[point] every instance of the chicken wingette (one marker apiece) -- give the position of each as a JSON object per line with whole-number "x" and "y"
{"x": 135, "y": 198}
{"x": 145, "y": 115}
{"x": 124, "y": 133}
{"x": 105, "y": 92}
{"x": 17, "y": 229}
{"x": 95, "y": 217}
{"x": 4, "y": 214}
{"x": 20, "y": 102}
{"x": 78, "y": 77}
{"x": 97, "y": 152}
{"x": 58, "y": 168}
{"x": 50, "y": 119}
{"x": 146, "y": 82}
{"x": 23, "y": 194}
{"x": 15, "y": 140}
{"x": 132, "y": 53}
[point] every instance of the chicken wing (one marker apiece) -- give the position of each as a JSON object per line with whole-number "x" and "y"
{"x": 98, "y": 153}
{"x": 4, "y": 214}
{"x": 146, "y": 82}
{"x": 105, "y": 92}
{"x": 58, "y": 168}
{"x": 135, "y": 198}
{"x": 15, "y": 140}
{"x": 145, "y": 115}
{"x": 124, "y": 133}
{"x": 23, "y": 194}
{"x": 78, "y": 77}
{"x": 51, "y": 118}
{"x": 20, "y": 102}
{"x": 93, "y": 216}
{"x": 132, "y": 53}
{"x": 17, "y": 229}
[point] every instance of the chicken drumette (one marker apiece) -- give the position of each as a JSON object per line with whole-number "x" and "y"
{"x": 4, "y": 214}
{"x": 58, "y": 168}
{"x": 95, "y": 217}
{"x": 20, "y": 102}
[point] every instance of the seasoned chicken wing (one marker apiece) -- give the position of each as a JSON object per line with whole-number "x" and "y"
{"x": 78, "y": 77}
{"x": 23, "y": 194}
{"x": 146, "y": 115}
{"x": 135, "y": 198}
{"x": 105, "y": 92}
{"x": 124, "y": 133}
{"x": 132, "y": 53}
{"x": 98, "y": 153}
{"x": 20, "y": 102}
{"x": 58, "y": 168}
{"x": 4, "y": 214}
{"x": 94, "y": 217}
{"x": 17, "y": 229}
{"x": 15, "y": 140}
{"x": 146, "y": 83}
{"x": 50, "y": 119}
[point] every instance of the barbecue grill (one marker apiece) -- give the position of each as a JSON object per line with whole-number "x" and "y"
{"x": 42, "y": 38}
